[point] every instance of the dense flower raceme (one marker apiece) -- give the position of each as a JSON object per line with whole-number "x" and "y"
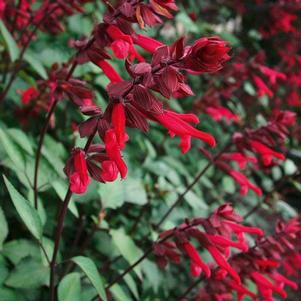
{"x": 266, "y": 82}
{"x": 132, "y": 103}
{"x": 218, "y": 234}
{"x": 267, "y": 265}
{"x": 48, "y": 16}
{"x": 247, "y": 69}
{"x": 261, "y": 142}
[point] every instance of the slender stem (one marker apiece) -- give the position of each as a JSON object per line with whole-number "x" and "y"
{"x": 190, "y": 288}
{"x": 276, "y": 188}
{"x": 58, "y": 234}
{"x": 191, "y": 185}
{"x": 140, "y": 259}
{"x": 39, "y": 150}
{"x": 130, "y": 268}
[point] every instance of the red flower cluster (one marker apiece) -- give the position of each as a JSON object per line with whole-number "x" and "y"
{"x": 261, "y": 265}
{"x": 47, "y": 17}
{"x": 220, "y": 232}
{"x": 133, "y": 102}
{"x": 260, "y": 142}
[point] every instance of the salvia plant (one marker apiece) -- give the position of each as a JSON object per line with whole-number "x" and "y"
{"x": 150, "y": 150}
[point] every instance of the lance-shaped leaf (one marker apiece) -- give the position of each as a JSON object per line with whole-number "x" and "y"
{"x": 90, "y": 269}
{"x": 27, "y": 213}
{"x": 69, "y": 288}
{"x": 10, "y": 42}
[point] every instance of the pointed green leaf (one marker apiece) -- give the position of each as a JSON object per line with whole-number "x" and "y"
{"x": 21, "y": 139}
{"x": 131, "y": 283}
{"x": 127, "y": 248}
{"x": 27, "y": 213}
{"x": 36, "y": 65}
{"x": 12, "y": 150}
{"x": 69, "y": 288}
{"x": 29, "y": 273}
{"x": 118, "y": 293}
{"x": 16, "y": 250}
{"x": 3, "y": 227}
{"x": 90, "y": 269}
{"x": 10, "y": 42}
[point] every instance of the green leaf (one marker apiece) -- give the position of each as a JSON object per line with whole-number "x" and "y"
{"x": 16, "y": 250}
{"x": 7, "y": 294}
{"x": 28, "y": 274}
{"x": 112, "y": 194}
{"x": 21, "y": 139}
{"x": 286, "y": 210}
{"x": 228, "y": 184}
{"x": 4, "y": 271}
{"x": 290, "y": 167}
{"x": 27, "y": 213}
{"x": 12, "y": 150}
{"x": 135, "y": 192}
{"x": 55, "y": 162}
{"x": 132, "y": 285}
{"x": 10, "y": 42}
{"x": 3, "y": 227}
{"x": 187, "y": 23}
{"x": 36, "y": 65}
{"x": 152, "y": 274}
{"x": 118, "y": 293}
{"x": 249, "y": 88}
{"x": 90, "y": 269}
{"x": 69, "y": 288}
{"x": 127, "y": 248}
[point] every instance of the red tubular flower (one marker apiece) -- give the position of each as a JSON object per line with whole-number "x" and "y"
{"x": 118, "y": 121}
{"x": 109, "y": 171}
{"x": 282, "y": 281}
{"x": 226, "y": 243}
{"x": 206, "y": 55}
{"x": 237, "y": 228}
{"x": 147, "y": 43}
{"x": 273, "y": 75}
{"x": 197, "y": 264}
{"x": 79, "y": 178}
{"x": 218, "y": 113}
{"x": 294, "y": 99}
{"x": 28, "y": 95}
{"x": 2, "y": 8}
{"x": 239, "y": 158}
{"x": 108, "y": 70}
{"x": 265, "y": 286}
{"x": 241, "y": 291}
{"x": 113, "y": 152}
{"x": 221, "y": 261}
{"x": 265, "y": 152}
{"x": 244, "y": 183}
{"x": 122, "y": 44}
{"x": 178, "y": 125}
{"x": 262, "y": 88}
